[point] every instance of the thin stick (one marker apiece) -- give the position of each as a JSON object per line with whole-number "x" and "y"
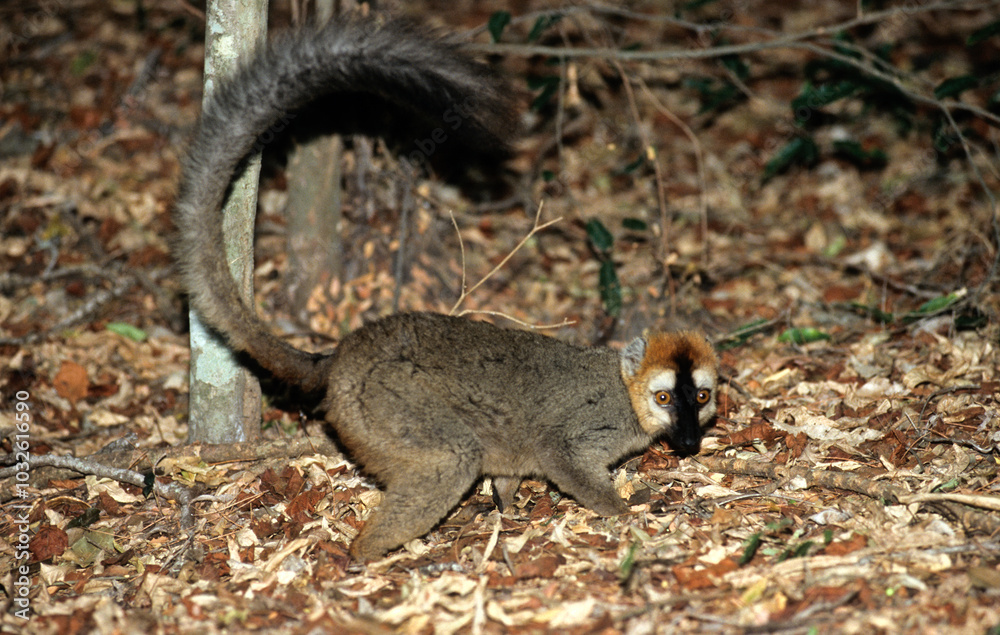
{"x": 534, "y": 230}
{"x": 513, "y": 319}
{"x": 461, "y": 248}
{"x": 989, "y": 195}
{"x": 793, "y": 41}
{"x": 815, "y": 40}
{"x": 172, "y": 490}
{"x": 699, "y": 157}
{"x": 653, "y": 156}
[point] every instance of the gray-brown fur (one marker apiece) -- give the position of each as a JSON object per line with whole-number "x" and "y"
{"x": 395, "y": 62}
{"x": 427, "y": 404}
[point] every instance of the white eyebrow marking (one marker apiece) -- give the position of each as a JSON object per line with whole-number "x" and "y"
{"x": 703, "y": 378}
{"x": 664, "y": 380}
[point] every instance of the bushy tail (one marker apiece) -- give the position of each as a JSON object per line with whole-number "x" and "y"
{"x": 394, "y": 63}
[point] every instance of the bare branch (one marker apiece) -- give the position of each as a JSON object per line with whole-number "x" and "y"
{"x": 173, "y": 491}
{"x": 534, "y": 230}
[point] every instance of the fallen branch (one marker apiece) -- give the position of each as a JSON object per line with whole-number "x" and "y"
{"x": 888, "y": 494}
{"x": 972, "y": 500}
{"x": 131, "y": 463}
{"x": 813, "y": 478}
{"x": 173, "y": 491}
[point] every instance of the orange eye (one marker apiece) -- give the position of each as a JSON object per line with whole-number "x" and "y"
{"x": 663, "y": 398}
{"x": 704, "y": 395}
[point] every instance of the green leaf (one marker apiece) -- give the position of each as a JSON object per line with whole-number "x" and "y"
{"x": 853, "y": 152}
{"x": 86, "y": 519}
{"x": 92, "y": 544}
{"x": 635, "y": 224}
{"x": 815, "y": 97}
{"x": 984, "y": 33}
{"x": 548, "y": 85}
{"x": 635, "y": 165}
{"x": 779, "y": 525}
{"x": 874, "y": 92}
{"x": 541, "y": 24}
{"x": 971, "y": 319}
{"x": 697, "y": 4}
{"x": 628, "y": 562}
{"x": 750, "y": 547}
{"x": 797, "y": 552}
{"x": 872, "y": 312}
{"x": 993, "y": 105}
{"x": 954, "y": 86}
{"x": 536, "y": 82}
{"x": 802, "y": 336}
{"x": 497, "y": 23}
{"x": 944, "y": 139}
{"x": 800, "y": 150}
{"x": 610, "y": 288}
{"x": 600, "y": 237}
{"x": 713, "y": 93}
{"x": 82, "y": 62}
{"x": 736, "y": 65}
{"x": 836, "y": 246}
{"x": 756, "y": 326}
{"x": 941, "y": 302}
{"x": 148, "y": 482}
{"x": 803, "y": 549}
{"x": 945, "y": 487}
{"x": 127, "y": 330}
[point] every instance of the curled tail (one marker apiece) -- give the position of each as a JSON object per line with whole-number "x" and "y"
{"x": 394, "y": 63}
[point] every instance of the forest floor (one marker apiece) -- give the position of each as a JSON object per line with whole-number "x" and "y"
{"x": 851, "y": 482}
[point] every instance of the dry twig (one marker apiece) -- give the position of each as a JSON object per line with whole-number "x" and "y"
{"x": 860, "y": 484}
{"x": 173, "y": 491}
{"x": 537, "y": 227}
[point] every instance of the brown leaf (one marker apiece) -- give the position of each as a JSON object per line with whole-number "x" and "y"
{"x": 272, "y": 487}
{"x": 725, "y": 518}
{"x": 49, "y": 541}
{"x": 85, "y": 117}
{"x": 840, "y": 293}
{"x": 843, "y": 547}
{"x": 796, "y": 443}
{"x": 757, "y": 431}
{"x": 295, "y": 482}
{"x": 826, "y": 595}
{"x": 541, "y": 567}
{"x": 65, "y": 484}
{"x": 543, "y": 508}
{"x": 692, "y": 579}
{"x": 107, "y": 387}
{"x": 71, "y": 381}
{"x": 269, "y": 482}
{"x": 108, "y": 504}
{"x": 302, "y": 504}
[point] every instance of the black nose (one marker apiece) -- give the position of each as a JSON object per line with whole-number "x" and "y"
{"x": 686, "y": 447}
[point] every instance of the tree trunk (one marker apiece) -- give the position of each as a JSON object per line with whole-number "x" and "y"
{"x": 225, "y": 397}
{"x": 315, "y": 218}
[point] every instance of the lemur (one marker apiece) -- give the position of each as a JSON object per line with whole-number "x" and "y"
{"x": 427, "y": 403}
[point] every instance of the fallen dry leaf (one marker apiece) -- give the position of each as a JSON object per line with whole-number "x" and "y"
{"x": 71, "y": 381}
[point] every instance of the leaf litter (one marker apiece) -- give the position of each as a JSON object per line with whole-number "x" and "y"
{"x": 851, "y": 482}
